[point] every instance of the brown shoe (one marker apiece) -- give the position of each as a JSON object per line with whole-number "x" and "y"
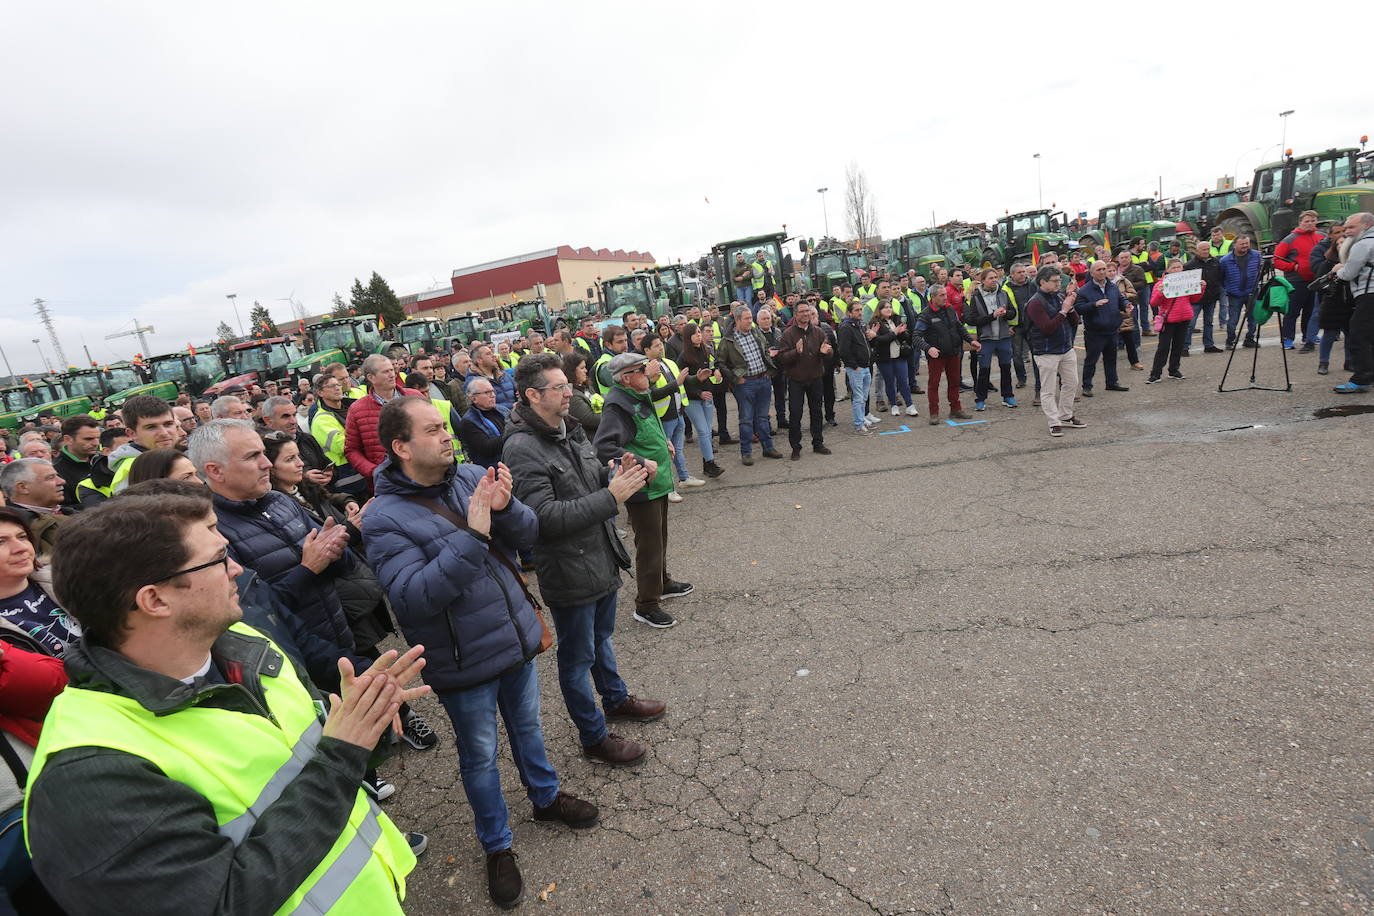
{"x": 616, "y": 750}
{"x": 961, "y": 414}
{"x": 569, "y": 809}
{"x": 771, "y": 453}
{"x": 640, "y": 710}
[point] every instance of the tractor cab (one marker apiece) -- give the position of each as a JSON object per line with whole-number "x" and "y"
{"x": 257, "y": 361}
{"x": 416, "y": 332}
{"x": 1280, "y": 192}
{"x": 630, "y": 293}
{"x": 190, "y": 371}
{"x": 919, "y": 251}
{"x": 22, "y": 403}
{"x": 1021, "y": 235}
{"x": 828, "y": 267}
{"x": 674, "y": 285}
{"x": 771, "y": 246}
{"x": 1198, "y": 212}
{"x": 466, "y": 328}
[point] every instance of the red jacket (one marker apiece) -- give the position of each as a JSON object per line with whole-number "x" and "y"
{"x": 1176, "y": 309}
{"x": 362, "y": 447}
{"x": 954, "y": 297}
{"x": 1293, "y": 253}
{"x": 28, "y": 683}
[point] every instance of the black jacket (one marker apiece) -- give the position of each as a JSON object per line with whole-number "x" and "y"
{"x": 853, "y": 346}
{"x": 72, "y": 472}
{"x": 482, "y": 447}
{"x": 111, "y": 834}
{"x": 881, "y": 345}
{"x": 578, "y": 555}
{"x": 940, "y": 329}
{"x": 1211, "y": 275}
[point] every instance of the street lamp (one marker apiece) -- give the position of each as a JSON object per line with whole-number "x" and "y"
{"x": 824, "y": 211}
{"x": 1284, "y": 115}
{"x": 43, "y": 356}
{"x": 1039, "y": 181}
{"x": 233, "y": 300}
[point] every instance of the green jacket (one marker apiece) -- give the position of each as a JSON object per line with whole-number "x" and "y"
{"x": 629, "y": 423}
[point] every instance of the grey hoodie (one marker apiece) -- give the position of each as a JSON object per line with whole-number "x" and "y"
{"x": 1359, "y": 265}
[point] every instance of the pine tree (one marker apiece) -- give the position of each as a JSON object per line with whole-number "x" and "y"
{"x": 385, "y": 300}
{"x": 341, "y": 309}
{"x": 262, "y": 322}
{"x": 225, "y": 333}
{"x": 359, "y": 299}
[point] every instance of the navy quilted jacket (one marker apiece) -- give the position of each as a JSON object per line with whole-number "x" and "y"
{"x": 265, "y": 536}
{"x": 450, "y": 594}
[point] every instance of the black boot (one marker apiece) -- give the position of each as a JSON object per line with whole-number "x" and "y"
{"x": 504, "y": 883}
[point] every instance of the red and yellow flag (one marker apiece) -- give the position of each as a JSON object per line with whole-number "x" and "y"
{"x": 1035, "y": 254}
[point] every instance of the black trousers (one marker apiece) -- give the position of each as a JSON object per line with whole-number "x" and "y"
{"x": 1359, "y": 343}
{"x": 811, "y": 392}
{"x": 1171, "y": 341}
{"x": 828, "y": 394}
{"x": 722, "y": 402}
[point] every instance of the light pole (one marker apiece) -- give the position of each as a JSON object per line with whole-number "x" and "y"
{"x": 43, "y": 356}
{"x": 1284, "y": 144}
{"x": 233, "y": 300}
{"x": 824, "y": 211}
{"x": 1039, "y": 181}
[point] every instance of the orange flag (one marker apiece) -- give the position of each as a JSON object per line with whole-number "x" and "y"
{"x": 1035, "y": 254}
{"x": 1106, "y": 240}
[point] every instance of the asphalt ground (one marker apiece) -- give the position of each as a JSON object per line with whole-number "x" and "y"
{"x": 981, "y": 670}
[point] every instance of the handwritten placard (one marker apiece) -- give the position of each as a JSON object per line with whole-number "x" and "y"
{"x": 1183, "y": 283}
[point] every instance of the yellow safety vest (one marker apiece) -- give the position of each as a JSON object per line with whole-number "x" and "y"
{"x": 97, "y": 413}
{"x": 118, "y": 481}
{"x": 1006, "y": 286}
{"x": 240, "y": 764}
{"x": 445, "y": 409}
{"x": 1221, "y": 251}
{"x": 1141, "y": 259}
{"x": 867, "y": 292}
{"x": 758, "y": 272}
{"x": 661, "y": 404}
{"x": 326, "y": 429}
{"x": 356, "y": 392}
{"x": 593, "y": 378}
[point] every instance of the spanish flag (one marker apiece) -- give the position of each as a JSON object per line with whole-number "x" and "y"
{"x": 1035, "y": 254}
{"x": 381, "y": 323}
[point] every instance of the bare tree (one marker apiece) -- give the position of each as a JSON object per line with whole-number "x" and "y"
{"x": 859, "y": 207}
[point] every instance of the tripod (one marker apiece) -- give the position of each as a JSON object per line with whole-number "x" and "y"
{"x": 1257, "y": 308}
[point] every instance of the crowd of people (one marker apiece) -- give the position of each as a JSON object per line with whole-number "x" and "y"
{"x": 195, "y": 597}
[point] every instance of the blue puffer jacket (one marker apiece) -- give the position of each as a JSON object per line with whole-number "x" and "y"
{"x": 265, "y": 536}
{"x": 1238, "y": 287}
{"x": 448, "y": 591}
{"x": 1104, "y": 319}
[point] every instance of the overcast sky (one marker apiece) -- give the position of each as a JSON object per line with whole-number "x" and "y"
{"x": 160, "y": 156}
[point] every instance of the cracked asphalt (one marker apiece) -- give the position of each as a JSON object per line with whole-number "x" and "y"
{"x": 980, "y": 670}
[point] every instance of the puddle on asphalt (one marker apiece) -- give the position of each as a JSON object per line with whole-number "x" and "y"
{"x": 1344, "y": 410}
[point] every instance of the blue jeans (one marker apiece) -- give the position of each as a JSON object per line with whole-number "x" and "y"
{"x": 1301, "y": 311}
{"x": 1002, "y": 350}
{"x": 1236, "y": 307}
{"x": 1313, "y": 331}
{"x": 859, "y": 381}
{"x": 744, "y": 294}
{"x": 896, "y": 381}
{"x": 1205, "y": 311}
{"x": 675, "y": 431}
{"x": 584, "y": 647}
{"x": 754, "y": 396}
{"x": 702, "y": 414}
{"x": 473, "y": 713}
{"x": 1328, "y": 341}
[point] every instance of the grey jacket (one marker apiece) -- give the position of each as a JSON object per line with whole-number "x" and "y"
{"x": 111, "y": 834}
{"x": 1359, "y": 265}
{"x": 578, "y": 556}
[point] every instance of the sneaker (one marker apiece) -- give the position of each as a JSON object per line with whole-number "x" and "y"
{"x": 1075, "y": 423}
{"x": 822, "y": 450}
{"x": 727, "y": 439}
{"x": 965, "y": 386}
{"x": 379, "y": 788}
{"x": 911, "y": 411}
{"x": 418, "y": 843}
{"x": 616, "y": 751}
{"x": 655, "y": 617}
{"x": 1009, "y": 402}
{"x": 1152, "y": 380}
{"x": 504, "y": 883}
{"x": 1323, "y": 368}
{"x": 1251, "y": 344}
{"x": 863, "y": 431}
{"x": 1287, "y": 344}
{"x": 712, "y": 469}
{"x": 677, "y": 589}
{"x": 872, "y": 420}
{"x": 1213, "y": 350}
{"x": 1086, "y": 392}
{"x": 896, "y": 411}
{"x": 632, "y": 707}
{"x": 692, "y": 482}
{"x": 569, "y": 809}
{"x": 674, "y": 496}
{"x": 417, "y": 733}
{"x": 1308, "y": 347}
{"x": 980, "y": 405}
{"x": 1350, "y": 388}
{"x": 1177, "y": 375}
{"x": 746, "y": 460}
{"x": 1056, "y": 431}
{"x": 1021, "y": 384}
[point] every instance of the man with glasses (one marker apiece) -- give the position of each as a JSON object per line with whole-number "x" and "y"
{"x": 483, "y": 426}
{"x": 578, "y": 555}
{"x": 190, "y": 760}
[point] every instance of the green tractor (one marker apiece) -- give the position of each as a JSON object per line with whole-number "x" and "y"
{"x": 963, "y": 247}
{"x": 416, "y": 332}
{"x": 1198, "y": 212}
{"x": 1280, "y": 191}
{"x": 635, "y": 292}
{"x": 114, "y": 384}
{"x": 1131, "y": 219}
{"x": 190, "y": 371}
{"x": 22, "y": 403}
{"x": 574, "y": 310}
{"x": 528, "y": 315}
{"x": 464, "y": 329}
{"x": 338, "y": 340}
{"x": 830, "y": 266}
{"x": 259, "y": 361}
{"x": 920, "y": 251}
{"x": 1019, "y": 236}
{"x": 674, "y": 284}
{"x": 724, "y": 255}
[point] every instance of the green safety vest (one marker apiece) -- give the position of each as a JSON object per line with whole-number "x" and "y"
{"x": 240, "y": 764}
{"x": 594, "y": 380}
{"x": 716, "y": 333}
{"x": 758, "y": 272}
{"x": 917, "y": 306}
{"x": 1141, "y": 259}
{"x": 326, "y": 429}
{"x": 867, "y": 292}
{"x": 596, "y": 401}
{"x": 1006, "y": 286}
{"x": 118, "y": 480}
{"x": 356, "y": 392}
{"x": 97, "y": 413}
{"x": 581, "y": 342}
{"x": 835, "y": 308}
{"x": 661, "y": 404}
{"x": 1218, "y": 252}
{"x": 509, "y": 361}
{"x": 445, "y": 409}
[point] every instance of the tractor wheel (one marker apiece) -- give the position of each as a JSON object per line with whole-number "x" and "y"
{"x": 1236, "y": 226}
{"x": 395, "y": 351}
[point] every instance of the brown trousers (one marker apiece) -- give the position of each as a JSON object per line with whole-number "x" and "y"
{"x": 649, "y": 519}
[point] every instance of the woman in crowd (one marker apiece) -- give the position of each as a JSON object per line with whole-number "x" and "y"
{"x": 891, "y": 345}
{"x": 162, "y": 462}
{"x": 27, "y": 604}
{"x": 586, "y": 404}
{"x": 1172, "y": 317}
{"x": 699, "y": 386}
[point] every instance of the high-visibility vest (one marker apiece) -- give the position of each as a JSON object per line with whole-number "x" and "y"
{"x": 582, "y": 342}
{"x": 716, "y": 332}
{"x": 445, "y": 409}
{"x": 867, "y": 292}
{"x": 661, "y": 403}
{"x": 97, "y": 413}
{"x": 597, "y": 401}
{"x": 328, "y": 431}
{"x": 836, "y": 308}
{"x": 119, "y": 479}
{"x": 240, "y": 763}
{"x": 1141, "y": 259}
{"x": 1220, "y": 251}
{"x": 356, "y": 392}
{"x": 508, "y": 361}
{"x": 1006, "y": 286}
{"x": 758, "y": 272}
{"x": 917, "y": 304}
{"x": 594, "y": 379}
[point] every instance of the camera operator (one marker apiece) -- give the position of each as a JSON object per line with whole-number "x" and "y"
{"x": 1357, "y": 269}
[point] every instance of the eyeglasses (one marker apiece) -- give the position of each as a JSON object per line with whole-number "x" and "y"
{"x": 562, "y": 389}
{"x": 222, "y": 559}
{"x": 632, "y": 371}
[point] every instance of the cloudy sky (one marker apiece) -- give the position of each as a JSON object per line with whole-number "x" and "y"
{"x": 160, "y": 156}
